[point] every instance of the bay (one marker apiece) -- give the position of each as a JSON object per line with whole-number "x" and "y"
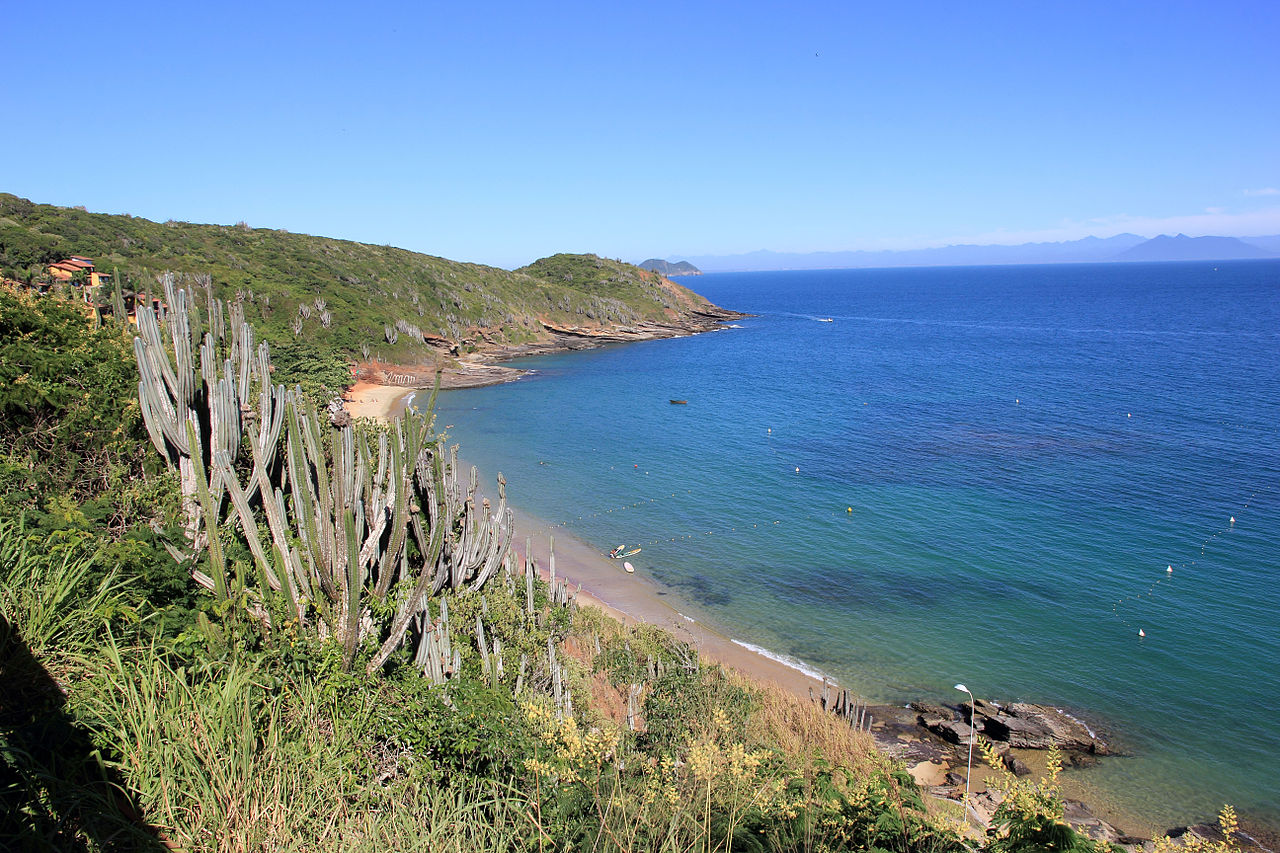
{"x": 977, "y": 475}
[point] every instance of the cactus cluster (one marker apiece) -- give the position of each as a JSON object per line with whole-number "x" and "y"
{"x": 340, "y": 520}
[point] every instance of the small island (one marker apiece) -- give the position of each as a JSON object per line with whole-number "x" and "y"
{"x": 669, "y": 267}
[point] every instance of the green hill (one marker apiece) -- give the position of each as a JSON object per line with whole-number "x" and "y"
{"x": 392, "y": 304}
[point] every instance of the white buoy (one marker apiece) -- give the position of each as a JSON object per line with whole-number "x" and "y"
{"x": 1169, "y": 570}
{"x": 798, "y": 471}
{"x": 630, "y": 568}
{"x": 1141, "y": 633}
{"x": 1233, "y": 518}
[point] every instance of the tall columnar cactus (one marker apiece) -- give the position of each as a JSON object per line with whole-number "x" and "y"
{"x": 341, "y": 521}
{"x": 195, "y": 409}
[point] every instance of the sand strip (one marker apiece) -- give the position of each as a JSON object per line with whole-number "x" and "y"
{"x": 635, "y": 598}
{"x": 379, "y": 402}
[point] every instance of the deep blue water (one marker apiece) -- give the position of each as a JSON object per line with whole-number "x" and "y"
{"x": 1024, "y": 451}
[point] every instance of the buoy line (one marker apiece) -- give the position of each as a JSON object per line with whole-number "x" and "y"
{"x": 1171, "y": 570}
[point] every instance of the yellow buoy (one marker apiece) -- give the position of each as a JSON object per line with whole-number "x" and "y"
{"x": 850, "y": 509}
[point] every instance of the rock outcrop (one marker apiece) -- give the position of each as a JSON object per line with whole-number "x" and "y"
{"x": 1027, "y": 726}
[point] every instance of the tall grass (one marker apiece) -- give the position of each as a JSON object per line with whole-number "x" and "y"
{"x": 231, "y": 758}
{"x": 45, "y": 596}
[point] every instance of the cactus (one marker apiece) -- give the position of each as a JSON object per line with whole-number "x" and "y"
{"x": 435, "y": 657}
{"x": 194, "y": 411}
{"x": 330, "y": 529}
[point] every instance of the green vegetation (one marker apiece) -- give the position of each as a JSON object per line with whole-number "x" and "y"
{"x": 325, "y": 303}
{"x": 141, "y": 710}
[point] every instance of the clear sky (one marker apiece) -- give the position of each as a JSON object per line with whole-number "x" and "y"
{"x": 502, "y": 132}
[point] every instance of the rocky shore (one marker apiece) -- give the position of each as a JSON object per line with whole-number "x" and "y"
{"x": 933, "y": 741}
{"x": 484, "y": 365}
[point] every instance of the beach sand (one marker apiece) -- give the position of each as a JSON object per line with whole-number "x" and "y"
{"x": 379, "y": 402}
{"x": 634, "y": 598}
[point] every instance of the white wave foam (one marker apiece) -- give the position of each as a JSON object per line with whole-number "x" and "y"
{"x": 1087, "y": 727}
{"x": 686, "y": 618}
{"x": 785, "y": 660}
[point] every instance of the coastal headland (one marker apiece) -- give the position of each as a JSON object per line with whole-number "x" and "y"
{"x": 381, "y": 387}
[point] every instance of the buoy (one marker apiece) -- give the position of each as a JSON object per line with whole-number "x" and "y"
{"x": 1141, "y": 633}
{"x": 1169, "y": 570}
{"x": 1129, "y": 415}
{"x": 798, "y": 471}
{"x": 850, "y": 509}
{"x": 1017, "y": 401}
{"x": 770, "y": 429}
{"x": 630, "y": 568}
{"x": 1233, "y": 519}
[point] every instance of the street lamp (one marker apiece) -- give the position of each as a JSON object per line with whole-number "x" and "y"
{"x": 969, "y": 771}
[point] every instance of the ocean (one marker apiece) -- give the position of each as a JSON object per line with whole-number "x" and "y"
{"x": 999, "y": 476}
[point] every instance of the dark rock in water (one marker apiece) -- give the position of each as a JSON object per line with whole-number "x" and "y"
{"x": 955, "y": 780}
{"x": 1026, "y": 726}
{"x": 1079, "y": 759}
{"x": 1084, "y": 821}
{"x": 1016, "y": 765}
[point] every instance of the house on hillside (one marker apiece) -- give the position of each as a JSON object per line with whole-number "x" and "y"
{"x": 67, "y": 269}
{"x": 93, "y": 283}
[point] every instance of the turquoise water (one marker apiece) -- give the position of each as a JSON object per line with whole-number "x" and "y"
{"x": 1024, "y": 451}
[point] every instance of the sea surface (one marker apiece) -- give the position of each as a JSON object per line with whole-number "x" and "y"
{"x": 997, "y": 476}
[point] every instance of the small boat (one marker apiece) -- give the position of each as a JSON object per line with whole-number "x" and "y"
{"x": 825, "y": 320}
{"x": 630, "y": 568}
{"x": 679, "y": 402}
{"x": 617, "y": 553}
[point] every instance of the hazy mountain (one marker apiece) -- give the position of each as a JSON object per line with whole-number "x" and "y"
{"x": 1184, "y": 248}
{"x": 1087, "y": 250}
{"x": 668, "y": 267}
{"x": 1270, "y": 243}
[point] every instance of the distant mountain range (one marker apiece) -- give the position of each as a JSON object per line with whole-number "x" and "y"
{"x": 669, "y": 267}
{"x": 1122, "y": 247}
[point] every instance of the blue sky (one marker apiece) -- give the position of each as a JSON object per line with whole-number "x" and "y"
{"x": 502, "y": 132}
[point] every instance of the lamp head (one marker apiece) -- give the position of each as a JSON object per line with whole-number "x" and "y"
{"x": 962, "y": 687}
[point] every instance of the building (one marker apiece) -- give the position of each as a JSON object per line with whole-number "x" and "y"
{"x": 67, "y": 269}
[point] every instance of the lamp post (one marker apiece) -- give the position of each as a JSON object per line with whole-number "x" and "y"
{"x": 968, "y": 772}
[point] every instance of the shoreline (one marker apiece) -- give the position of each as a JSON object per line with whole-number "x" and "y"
{"x": 638, "y": 599}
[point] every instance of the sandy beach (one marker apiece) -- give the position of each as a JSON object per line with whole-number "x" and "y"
{"x": 378, "y": 402}
{"x": 634, "y": 598}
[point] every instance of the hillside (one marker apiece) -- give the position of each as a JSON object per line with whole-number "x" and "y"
{"x": 342, "y": 301}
